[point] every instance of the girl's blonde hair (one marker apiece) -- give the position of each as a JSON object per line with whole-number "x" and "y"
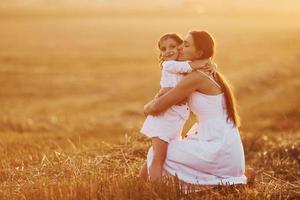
{"x": 173, "y": 36}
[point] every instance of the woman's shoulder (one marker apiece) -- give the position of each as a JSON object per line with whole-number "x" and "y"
{"x": 200, "y": 80}
{"x": 191, "y": 80}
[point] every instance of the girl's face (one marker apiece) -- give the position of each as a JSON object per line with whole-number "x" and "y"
{"x": 188, "y": 51}
{"x": 169, "y": 49}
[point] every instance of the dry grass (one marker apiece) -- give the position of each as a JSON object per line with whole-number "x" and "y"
{"x": 109, "y": 171}
{"x": 73, "y": 87}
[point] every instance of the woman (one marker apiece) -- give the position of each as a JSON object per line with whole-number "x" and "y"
{"x": 212, "y": 152}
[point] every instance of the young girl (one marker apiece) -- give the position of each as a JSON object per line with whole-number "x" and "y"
{"x": 167, "y": 126}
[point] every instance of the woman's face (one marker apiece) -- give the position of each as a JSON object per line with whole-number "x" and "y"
{"x": 188, "y": 51}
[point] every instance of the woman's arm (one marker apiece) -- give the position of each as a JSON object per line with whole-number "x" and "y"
{"x": 162, "y": 91}
{"x": 183, "y": 89}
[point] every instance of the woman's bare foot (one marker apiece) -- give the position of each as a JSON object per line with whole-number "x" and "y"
{"x": 250, "y": 174}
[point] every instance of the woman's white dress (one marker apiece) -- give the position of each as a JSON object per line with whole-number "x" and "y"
{"x": 212, "y": 153}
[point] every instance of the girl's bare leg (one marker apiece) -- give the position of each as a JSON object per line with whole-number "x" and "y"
{"x": 159, "y": 155}
{"x": 144, "y": 172}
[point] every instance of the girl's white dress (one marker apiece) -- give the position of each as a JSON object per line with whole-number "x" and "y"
{"x": 169, "y": 125}
{"x": 212, "y": 153}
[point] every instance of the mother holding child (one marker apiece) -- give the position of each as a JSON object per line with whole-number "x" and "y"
{"x": 212, "y": 152}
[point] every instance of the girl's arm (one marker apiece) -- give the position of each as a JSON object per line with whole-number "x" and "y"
{"x": 183, "y": 89}
{"x": 175, "y": 67}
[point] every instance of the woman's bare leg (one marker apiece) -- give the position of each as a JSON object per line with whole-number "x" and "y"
{"x": 159, "y": 155}
{"x": 144, "y": 172}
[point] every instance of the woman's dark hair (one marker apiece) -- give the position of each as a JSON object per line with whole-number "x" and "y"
{"x": 204, "y": 42}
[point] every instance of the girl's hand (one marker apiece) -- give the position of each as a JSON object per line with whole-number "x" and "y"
{"x": 209, "y": 68}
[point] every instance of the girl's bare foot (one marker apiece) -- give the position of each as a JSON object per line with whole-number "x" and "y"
{"x": 250, "y": 174}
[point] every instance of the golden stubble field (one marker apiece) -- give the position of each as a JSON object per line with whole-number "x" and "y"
{"x": 74, "y": 82}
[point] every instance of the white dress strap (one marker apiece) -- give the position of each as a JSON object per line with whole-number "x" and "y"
{"x": 209, "y": 78}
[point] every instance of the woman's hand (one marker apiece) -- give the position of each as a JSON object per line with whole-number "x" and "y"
{"x": 147, "y": 108}
{"x": 163, "y": 91}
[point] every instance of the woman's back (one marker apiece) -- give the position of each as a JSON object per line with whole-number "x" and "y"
{"x": 208, "y": 107}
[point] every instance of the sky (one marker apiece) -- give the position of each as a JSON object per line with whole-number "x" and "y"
{"x": 260, "y": 5}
